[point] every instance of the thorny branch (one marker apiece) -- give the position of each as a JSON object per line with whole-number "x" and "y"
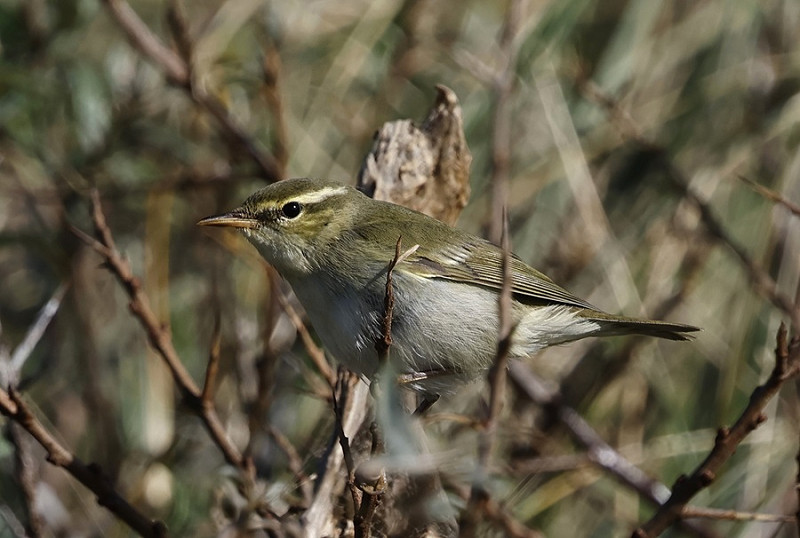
{"x": 787, "y": 366}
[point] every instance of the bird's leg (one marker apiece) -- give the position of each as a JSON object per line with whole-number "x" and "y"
{"x": 416, "y": 377}
{"x": 426, "y": 403}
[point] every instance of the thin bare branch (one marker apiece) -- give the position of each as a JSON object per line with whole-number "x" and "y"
{"x": 179, "y": 73}
{"x": 385, "y": 341}
{"x": 315, "y": 353}
{"x": 147, "y": 43}
{"x": 91, "y": 476}
{"x": 160, "y": 337}
{"x": 140, "y": 305}
{"x": 295, "y": 462}
{"x": 497, "y": 374}
{"x": 479, "y": 496}
{"x": 318, "y": 520}
{"x": 787, "y": 366}
{"x": 771, "y": 195}
{"x": 207, "y": 396}
{"x": 370, "y": 496}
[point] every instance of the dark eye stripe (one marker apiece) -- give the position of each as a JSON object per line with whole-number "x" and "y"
{"x": 291, "y": 210}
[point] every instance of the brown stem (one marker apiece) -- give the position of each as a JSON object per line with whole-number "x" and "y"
{"x": 179, "y": 72}
{"x": 787, "y": 366}
{"x": 91, "y": 476}
{"x": 599, "y": 452}
{"x": 160, "y": 338}
{"x": 385, "y": 340}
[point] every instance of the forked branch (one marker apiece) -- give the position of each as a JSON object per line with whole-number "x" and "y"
{"x": 787, "y": 366}
{"x": 200, "y": 401}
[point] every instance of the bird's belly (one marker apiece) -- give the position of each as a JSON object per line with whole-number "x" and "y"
{"x": 339, "y": 318}
{"x": 438, "y": 326}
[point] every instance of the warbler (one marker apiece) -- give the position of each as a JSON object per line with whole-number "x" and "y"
{"x": 334, "y": 245}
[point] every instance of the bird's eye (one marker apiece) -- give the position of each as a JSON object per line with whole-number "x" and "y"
{"x": 291, "y": 210}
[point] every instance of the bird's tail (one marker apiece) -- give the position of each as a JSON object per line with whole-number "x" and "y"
{"x": 611, "y": 325}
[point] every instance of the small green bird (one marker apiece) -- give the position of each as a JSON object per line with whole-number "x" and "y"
{"x": 334, "y": 246}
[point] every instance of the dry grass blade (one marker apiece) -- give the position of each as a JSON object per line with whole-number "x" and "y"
{"x": 36, "y": 330}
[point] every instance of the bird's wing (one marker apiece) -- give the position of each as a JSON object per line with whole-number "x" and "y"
{"x": 480, "y": 263}
{"x": 447, "y": 253}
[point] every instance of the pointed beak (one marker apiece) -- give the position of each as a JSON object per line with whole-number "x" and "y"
{"x": 232, "y": 219}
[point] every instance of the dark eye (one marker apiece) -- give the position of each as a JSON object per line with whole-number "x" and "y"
{"x": 290, "y": 210}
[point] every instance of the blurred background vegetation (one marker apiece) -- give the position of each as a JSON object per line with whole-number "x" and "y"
{"x": 609, "y": 103}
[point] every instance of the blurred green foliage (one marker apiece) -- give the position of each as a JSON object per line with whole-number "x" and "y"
{"x": 712, "y": 87}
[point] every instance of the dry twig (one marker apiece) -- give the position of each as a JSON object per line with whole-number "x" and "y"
{"x": 12, "y": 406}
{"x": 480, "y": 499}
{"x": 733, "y": 515}
{"x": 762, "y": 282}
{"x": 179, "y": 72}
{"x": 771, "y": 195}
{"x": 200, "y": 401}
{"x": 599, "y": 452}
{"x": 787, "y": 366}
{"x": 385, "y": 339}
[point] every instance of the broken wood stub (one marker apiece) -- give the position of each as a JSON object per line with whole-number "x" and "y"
{"x": 422, "y": 167}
